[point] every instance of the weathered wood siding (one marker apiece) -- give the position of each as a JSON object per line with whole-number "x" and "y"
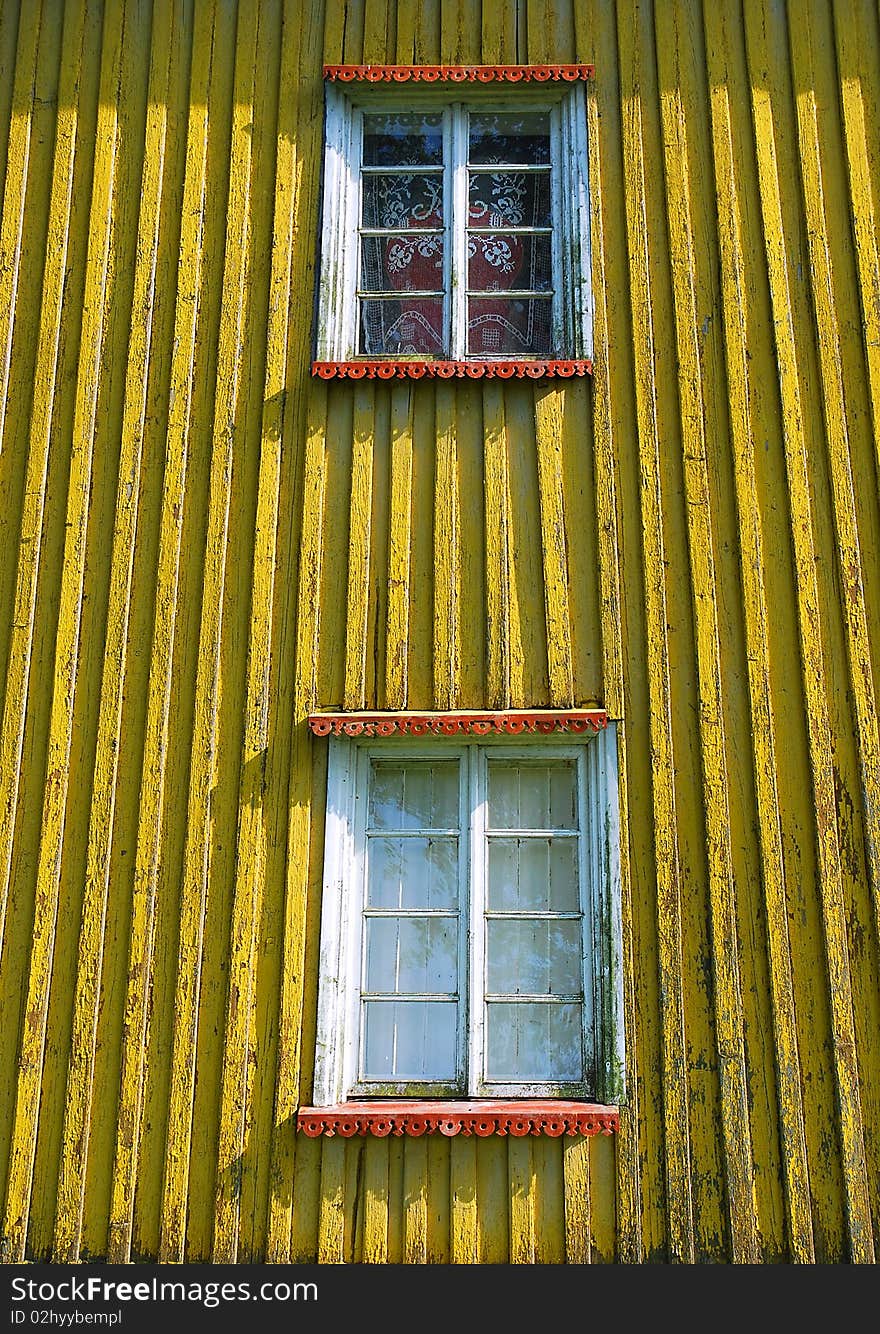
{"x": 199, "y": 544}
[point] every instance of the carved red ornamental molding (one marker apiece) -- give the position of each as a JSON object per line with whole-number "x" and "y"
{"x": 448, "y": 370}
{"x": 458, "y": 73}
{"x": 552, "y": 1117}
{"x": 509, "y": 723}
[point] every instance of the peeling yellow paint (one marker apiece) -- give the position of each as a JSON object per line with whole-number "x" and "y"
{"x": 202, "y": 545}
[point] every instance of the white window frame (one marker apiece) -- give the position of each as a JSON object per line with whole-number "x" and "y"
{"x": 344, "y": 887}
{"x": 337, "y": 300}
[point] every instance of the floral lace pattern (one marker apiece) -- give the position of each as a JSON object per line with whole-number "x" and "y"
{"x": 405, "y": 242}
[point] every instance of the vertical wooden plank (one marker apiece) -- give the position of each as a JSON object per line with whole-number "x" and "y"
{"x": 301, "y": 1241}
{"x": 395, "y": 1201}
{"x": 420, "y": 611}
{"x": 677, "y": 1151}
{"x": 428, "y": 46}
{"x": 492, "y": 1196}
{"x": 854, "y": 49}
{"x": 447, "y": 555}
{"x": 399, "y": 549}
{"x": 353, "y": 1208}
{"x": 97, "y": 292}
{"x": 331, "y": 1218}
{"x": 522, "y": 1200}
{"x": 297, "y": 173}
{"x": 405, "y": 34}
{"x": 580, "y": 489}
{"x": 360, "y": 530}
{"x": 835, "y": 312}
{"x": 837, "y": 432}
{"x": 380, "y": 534}
{"x": 472, "y": 556}
{"x": 81, "y": 1068}
{"x": 576, "y": 1175}
{"x": 439, "y": 1239}
{"x": 10, "y": 28}
{"x": 154, "y": 780}
{"x": 498, "y": 43}
{"x": 28, "y": 134}
{"x": 677, "y": 112}
{"x": 30, "y": 542}
{"x": 335, "y": 537}
{"x": 283, "y": 1196}
{"x": 525, "y": 603}
{"x": 463, "y": 1186}
{"x": 332, "y": 25}
{"x": 550, "y": 1222}
{"x": 377, "y": 16}
{"x": 415, "y": 1201}
{"x": 551, "y": 31}
{"x": 18, "y": 146}
{"x": 375, "y": 1248}
{"x": 353, "y": 19}
{"x": 196, "y": 876}
{"x": 271, "y": 549}
{"x": 594, "y": 33}
{"x": 728, "y": 152}
{"x": 498, "y": 572}
{"x": 237, "y": 1066}
{"x": 554, "y": 543}
{"x": 812, "y": 658}
{"x": 603, "y": 1214}
{"x": 459, "y": 32}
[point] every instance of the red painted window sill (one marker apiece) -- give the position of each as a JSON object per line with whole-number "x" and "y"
{"x": 549, "y": 1117}
{"x": 450, "y": 370}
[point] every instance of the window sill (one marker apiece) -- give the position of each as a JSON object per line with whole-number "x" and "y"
{"x": 449, "y": 370}
{"x": 547, "y": 1117}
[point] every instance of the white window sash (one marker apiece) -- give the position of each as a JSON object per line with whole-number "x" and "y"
{"x": 339, "y": 1019}
{"x": 480, "y": 1085}
{"x": 338, "y": 330}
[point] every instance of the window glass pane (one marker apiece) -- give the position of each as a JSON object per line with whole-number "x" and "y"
{"x": 517, "y": 327}
{"x": 412, "y": 873}
{"x": 402, "y": 263}
{"x": 533, "y": 874}
{"x": 532, "y": 796}
{"x": 509, "y": 199}
{"x": 533, "y": 1041}
{"x": 411, "y": 954}
{"x": 510, "y": 136}
{"x": 402, "y": 328}
{"x": 409, "y": 1040}
{"x": 402, "y": 201}
{"x": 408, "y": 140}
{"x": 534, "y": 957}
{"x": 500, "y": 263}
{"x": 419, "y": 794}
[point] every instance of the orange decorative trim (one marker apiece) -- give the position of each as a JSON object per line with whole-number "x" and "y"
{"x": 459, "y": 73}
{"x": 510, "y": 723}
{"x": 551, "y": 1117}
{"x": 448, "y": 370}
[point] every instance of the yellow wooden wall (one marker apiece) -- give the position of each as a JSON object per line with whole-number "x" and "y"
{"x": 199, "y": 544}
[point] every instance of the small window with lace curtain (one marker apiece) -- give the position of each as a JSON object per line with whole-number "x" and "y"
{"x": 455, "y": 229}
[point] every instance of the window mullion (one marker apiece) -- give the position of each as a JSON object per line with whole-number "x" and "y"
{"x": 459, "y": 221}
{"x": 477, "y": 916}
